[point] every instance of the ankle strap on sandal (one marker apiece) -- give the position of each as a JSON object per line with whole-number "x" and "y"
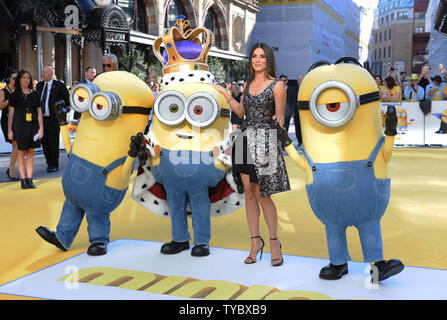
{"x": 274, "y": 238}
{"x": 256, "y": 237}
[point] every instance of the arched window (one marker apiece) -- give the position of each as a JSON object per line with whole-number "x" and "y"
{"x": 175, "y": 8}
{"x": 211, "y": 23}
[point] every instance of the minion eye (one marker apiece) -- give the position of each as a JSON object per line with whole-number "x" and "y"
{"x": 333, "y": 114}
{"x": 170, "y": 107}
{"x": 403, "y": 114}
{"x": 398, "y": 114}
{"x": 202, "y": 109}
{"x": 81, "y": 95}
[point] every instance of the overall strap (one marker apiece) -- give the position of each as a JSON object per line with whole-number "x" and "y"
{"x": 309, "y": 160}
{"x": 115, "y": 164}
{"x": 376, "y": 149}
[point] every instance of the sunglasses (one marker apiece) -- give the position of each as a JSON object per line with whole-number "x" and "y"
{"x": 13, "y": 78}
{"x": 108, "y": 65}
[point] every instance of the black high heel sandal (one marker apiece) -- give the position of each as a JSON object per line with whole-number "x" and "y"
{"x": 280, "y": 260}
{"x": 250, "y": 259}
{"x": 11, "y": 178}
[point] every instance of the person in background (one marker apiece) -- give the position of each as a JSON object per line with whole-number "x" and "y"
{"x": 236, "y": 94}
{"x": 89, "y": 75}
{"x": 51, "y": 91}
{"x": 414, "y": 92}
{"x": 435, "y": 90}
{"x": 5, "y": 95}
{"x": 109, "y": 62}
{"x": 424, "y": 78}
{"x": 292, "y": 106}
{"x": 394, "y": 91}
{"x": 25, "y": 124}
{"x": 382, "y": 90}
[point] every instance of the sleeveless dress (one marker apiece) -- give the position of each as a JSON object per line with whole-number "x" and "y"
{"x": 258, "y": 150}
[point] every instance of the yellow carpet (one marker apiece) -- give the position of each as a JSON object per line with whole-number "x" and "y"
{"x": 414, "y": 227}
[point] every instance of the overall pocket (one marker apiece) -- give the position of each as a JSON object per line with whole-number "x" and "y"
{"x": 80, "y": 174}
{"x": 341, "y": 179}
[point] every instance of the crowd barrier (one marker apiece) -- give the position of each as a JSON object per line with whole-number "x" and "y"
{"x": 414, "y": 128}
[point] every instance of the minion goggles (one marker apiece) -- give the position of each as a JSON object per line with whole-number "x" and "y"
{"x": 200, "y": 109}
{"x": 336, "y": 114}
{"x": 100, "y": 112}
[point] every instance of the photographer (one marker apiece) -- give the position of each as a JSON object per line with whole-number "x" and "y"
{"x": 414, "y": 92}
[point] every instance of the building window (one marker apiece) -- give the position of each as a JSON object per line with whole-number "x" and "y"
{"x": 384, "y": 52}
{"x": 375, "y": 54}
{"x": 380, "y": 54}
{"x": 141, "y": 21}
{"x": 389, "y": 52}
{"x": 402, "y": 15}
{"x": 389, "y": 34}
{"x": 380, "y": 36}
{"x": 211, "y": 23}
{"x": 375, "y": 38}
{"x": 419, "y": 29}
{"x": 175, "y": 8}
{"x": 384, "y": 35}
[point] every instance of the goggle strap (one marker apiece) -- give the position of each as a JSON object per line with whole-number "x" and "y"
{"x": 225, "y": 112}
{"x": 139, "y": 110}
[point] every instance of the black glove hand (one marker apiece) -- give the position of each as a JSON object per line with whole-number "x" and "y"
{"x": 61, "y": 111}
{"x": 391, "y": 121}
{"x": 138, "y": 148}
{"x": 282, "y": 135}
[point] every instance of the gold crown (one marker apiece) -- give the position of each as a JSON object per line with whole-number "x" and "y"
{"x": 175, "y": 61}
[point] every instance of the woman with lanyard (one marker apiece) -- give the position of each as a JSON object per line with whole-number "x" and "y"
{"x": 25, "y": 125}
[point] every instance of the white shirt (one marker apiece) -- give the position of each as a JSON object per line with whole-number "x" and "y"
{"x": 46, "y": 112}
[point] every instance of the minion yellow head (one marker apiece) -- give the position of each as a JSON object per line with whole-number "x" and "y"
{"x": 444, "y": 116}
{"x": 401, "y": 117}
{"x": 114, "y": 107}
{"x": 339, "y": 111}
{"x": 190, "y": 116}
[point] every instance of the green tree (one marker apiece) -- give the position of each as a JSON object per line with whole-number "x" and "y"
{"x": 239, "y": 70}
{"x": 216, "y": 66}
{"x": 134, "y": 62}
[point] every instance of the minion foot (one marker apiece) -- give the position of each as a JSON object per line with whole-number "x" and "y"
{"x": 333, "y": 272}
{"x": 386, "y": 269}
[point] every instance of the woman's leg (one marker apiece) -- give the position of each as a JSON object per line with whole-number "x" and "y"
{"x": 271, "y": 219}
{"x": 253, "y": 212}
{"x": 30, "y": 162}
{"x": 21, "y": 163}
{"x": 13, "y": 159}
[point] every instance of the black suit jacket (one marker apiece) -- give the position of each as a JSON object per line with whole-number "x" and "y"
{"x": 291, "y": 103}
{"x": 58, "y": 92}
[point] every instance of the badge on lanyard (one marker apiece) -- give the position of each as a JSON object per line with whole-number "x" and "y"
{"x": 28, "y": 115}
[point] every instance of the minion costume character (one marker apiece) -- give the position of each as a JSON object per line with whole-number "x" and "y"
{"x": 114, "y": 107}
{"x": 443, "y": 117}
{"x": 187, "y": 172}
{"x": 345, "y": 159}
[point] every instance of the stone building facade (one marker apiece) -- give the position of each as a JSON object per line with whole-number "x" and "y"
{"x": 73, "y": 34}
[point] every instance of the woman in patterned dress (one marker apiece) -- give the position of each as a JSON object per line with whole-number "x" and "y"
{"x": 258, "y": 155}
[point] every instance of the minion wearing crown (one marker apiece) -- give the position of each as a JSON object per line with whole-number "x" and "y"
{"x": 187, "y": 169}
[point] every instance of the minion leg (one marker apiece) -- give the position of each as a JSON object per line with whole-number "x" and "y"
{"x": 69, "y": 223}
{"x": 371, "y": 240}
{"x": 98, "y": 227}
{"x": 200, "y": 207}
{"x": 337, "y": 244}
{"x": 177, "y": 202}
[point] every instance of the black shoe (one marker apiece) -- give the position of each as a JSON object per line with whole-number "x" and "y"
{"x": 174, "y": 247}
{"x": 11, "y": 178}
{"x": 49, "y": 236}
{"x": 30, "y": 183}
{"x": 200, "y": 250}
{"x": 333, "y": 272}
{"x": 238, "y": 181}
{"x": 52, "y": 169}
{"x": 97, "y": 249}
{"x": 24, "y": 184}
{"x": 387, "y": 269}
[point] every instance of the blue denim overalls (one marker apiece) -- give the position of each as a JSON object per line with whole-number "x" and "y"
{"x": 86, "y": 193}
{"x": 347, "y": 193}
{"x": 186, "y": 176}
